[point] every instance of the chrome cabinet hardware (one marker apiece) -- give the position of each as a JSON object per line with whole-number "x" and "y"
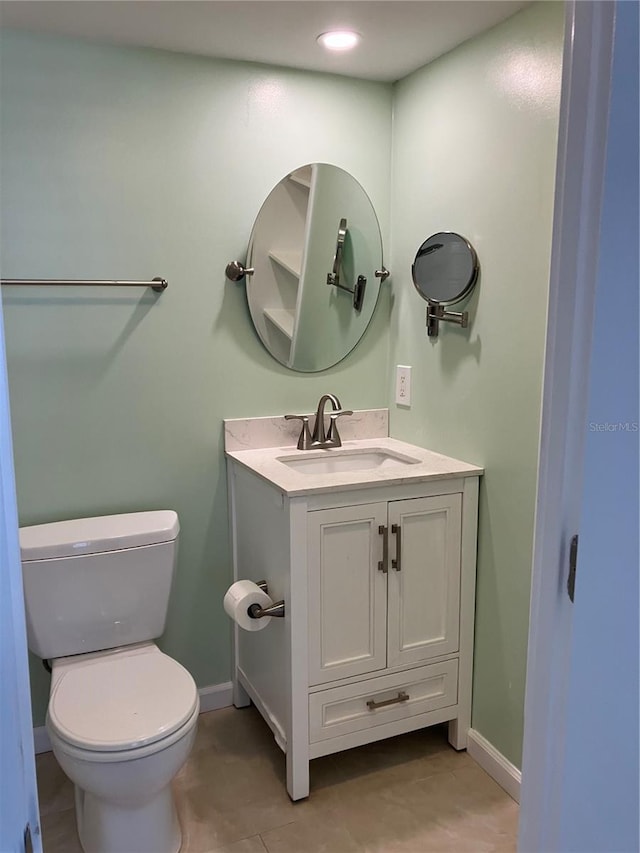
{"x": 372, "y": 705}
{"x": 304, "y": 439}
{"x": 383, "y": 530}
{"x": 397, "y": 564}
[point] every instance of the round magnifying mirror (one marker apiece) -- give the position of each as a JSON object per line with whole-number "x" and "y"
{"x": 314, "y": 267}
{"x": 445, "y": 268}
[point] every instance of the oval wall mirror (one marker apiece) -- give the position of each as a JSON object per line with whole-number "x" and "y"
{"x": 444, "y": 271}
{"x": 314, "y": 267}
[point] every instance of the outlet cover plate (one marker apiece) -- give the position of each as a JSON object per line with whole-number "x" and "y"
{"x": 403, "y": 385}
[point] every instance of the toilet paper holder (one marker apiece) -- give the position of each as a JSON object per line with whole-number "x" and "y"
{"x": 275, "y": 609}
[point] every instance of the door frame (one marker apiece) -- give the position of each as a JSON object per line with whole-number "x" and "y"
{"x": 586, "y": 82}
{"x": 18, "y": 794}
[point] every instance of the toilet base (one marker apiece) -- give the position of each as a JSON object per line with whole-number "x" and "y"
{"x": 107, "y": 827}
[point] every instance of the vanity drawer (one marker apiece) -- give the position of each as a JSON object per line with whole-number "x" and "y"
{"x": 370, "y": 703}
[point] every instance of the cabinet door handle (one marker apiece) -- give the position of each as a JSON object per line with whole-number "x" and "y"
{"x": 372, "y": 705}
{"x": 397, "y": 564}
{"x": 383, "y": 564}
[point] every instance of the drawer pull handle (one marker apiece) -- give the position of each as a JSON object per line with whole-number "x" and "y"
{"x": 372, "y": 705}
{"x": 396, "y": 564}
{"x": 383, "y": 530}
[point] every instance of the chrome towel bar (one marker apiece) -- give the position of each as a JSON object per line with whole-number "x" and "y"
{"x": 158, "y": 284}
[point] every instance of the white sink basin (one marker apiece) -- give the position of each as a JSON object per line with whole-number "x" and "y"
{"x": 336, "y": 461}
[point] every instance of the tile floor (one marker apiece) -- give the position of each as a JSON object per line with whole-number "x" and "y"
{"x": 409, "y": 794}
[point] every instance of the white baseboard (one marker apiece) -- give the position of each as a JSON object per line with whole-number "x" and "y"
{"x": 212, "y": 698}
{"x": 216, "y": 696}
{"x": 495, "y": 764}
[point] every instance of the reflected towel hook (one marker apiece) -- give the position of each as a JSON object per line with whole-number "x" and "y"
{"x": 333, "y": 278}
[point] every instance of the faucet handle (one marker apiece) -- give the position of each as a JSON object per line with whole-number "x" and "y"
{"x": 304, "y": 439}
{"x": 333, "y": 435}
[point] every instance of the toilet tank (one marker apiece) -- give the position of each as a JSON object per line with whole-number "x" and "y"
{"x": 97, "y": 583}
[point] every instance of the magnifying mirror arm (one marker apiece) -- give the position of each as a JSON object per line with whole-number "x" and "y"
{"x": 436, "y": 313}
{"x": 334, "y": 276}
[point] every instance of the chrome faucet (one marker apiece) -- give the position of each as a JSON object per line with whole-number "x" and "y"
{"x": 321, "y": 438}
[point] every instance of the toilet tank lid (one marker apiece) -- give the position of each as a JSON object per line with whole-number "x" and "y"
{"x": 97, "y": 535}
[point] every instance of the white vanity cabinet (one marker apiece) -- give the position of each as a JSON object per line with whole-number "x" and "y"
{"x": 379, "y": 585}
{"x": 384, "y": 585}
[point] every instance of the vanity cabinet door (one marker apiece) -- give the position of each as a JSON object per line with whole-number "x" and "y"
{"x": 347, "y": 592}
{"x": 424, "y": 578}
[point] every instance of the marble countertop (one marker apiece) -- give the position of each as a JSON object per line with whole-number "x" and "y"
{"x": 425, "y": 465}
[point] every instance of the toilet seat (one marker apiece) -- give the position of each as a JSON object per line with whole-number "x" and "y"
{"x": 78, "y": 753}
{"x": 122, "y": 700}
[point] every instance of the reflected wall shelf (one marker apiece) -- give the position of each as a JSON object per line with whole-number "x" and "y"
{"x": 291, "y": 260}
{"x": 302, "y": 176}
{"x": 282, "y": 318}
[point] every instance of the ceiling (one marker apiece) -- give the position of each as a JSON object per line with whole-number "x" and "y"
{"x": 398, "y": 36}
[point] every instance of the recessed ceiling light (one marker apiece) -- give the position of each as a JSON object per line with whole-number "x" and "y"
{"x": 339, "y": 39}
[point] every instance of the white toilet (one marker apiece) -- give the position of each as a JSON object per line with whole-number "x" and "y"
{"x": 122, "y": 715}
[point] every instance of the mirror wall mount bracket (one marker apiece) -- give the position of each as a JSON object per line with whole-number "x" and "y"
{"x": 358, "y": 290}
{"x": 235, "y": 271}
{"x": 436, "y": 313}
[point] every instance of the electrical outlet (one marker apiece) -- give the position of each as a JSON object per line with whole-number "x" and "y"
{"x": 403, "y": 385}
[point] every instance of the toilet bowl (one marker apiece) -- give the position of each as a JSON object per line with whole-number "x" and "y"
{"x": 121, "y": 725}
{"x": 122, "y": 714}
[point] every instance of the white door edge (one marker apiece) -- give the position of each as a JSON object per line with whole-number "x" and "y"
{"x": 19, "y": 796}
{"x": 586, "y": 80}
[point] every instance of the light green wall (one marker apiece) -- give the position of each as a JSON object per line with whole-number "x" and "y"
{"x": 129, "y": 163}
{"x": 474, "y": 152}
{"x": 126, "y": 163}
